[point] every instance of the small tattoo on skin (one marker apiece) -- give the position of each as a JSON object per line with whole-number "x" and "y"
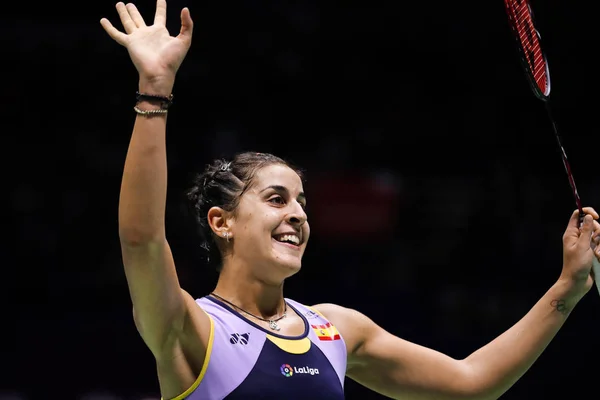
{"x": 560, "y": 306}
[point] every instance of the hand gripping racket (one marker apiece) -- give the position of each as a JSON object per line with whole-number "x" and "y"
{"x": 535, "y": 64}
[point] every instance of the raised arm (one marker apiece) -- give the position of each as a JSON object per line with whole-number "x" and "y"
{"x": 160, "y": 306}
{"x": 403, "y": 370}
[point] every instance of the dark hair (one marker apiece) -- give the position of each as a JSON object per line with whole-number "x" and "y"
{"x": 222, "y": 184}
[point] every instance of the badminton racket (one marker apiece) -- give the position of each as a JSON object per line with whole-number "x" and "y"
{"x": 535, "y": 64}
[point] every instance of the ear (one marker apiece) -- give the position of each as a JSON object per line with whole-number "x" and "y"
{"x": 219, "y": 221}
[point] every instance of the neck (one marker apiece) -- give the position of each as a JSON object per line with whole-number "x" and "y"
{"x": 250, "y": 293}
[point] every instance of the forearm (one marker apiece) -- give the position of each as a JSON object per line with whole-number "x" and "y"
{"x": 144, "y": 183}
{"x": 499, "y": 364}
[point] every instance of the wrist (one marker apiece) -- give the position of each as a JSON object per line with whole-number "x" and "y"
{"x": 569, "y": 290}
{"x": 159, "y": 86}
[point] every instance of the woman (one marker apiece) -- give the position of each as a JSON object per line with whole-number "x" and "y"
{"x": 244, "y": 340}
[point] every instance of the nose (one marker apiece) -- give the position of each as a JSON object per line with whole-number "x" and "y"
{"x": 297, "y": 215}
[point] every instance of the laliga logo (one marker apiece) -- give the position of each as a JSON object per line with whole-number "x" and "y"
{"x": 287, "y": 370}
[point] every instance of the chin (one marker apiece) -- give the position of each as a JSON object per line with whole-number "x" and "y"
{"x": 286, "y": 266}
{"x": 290, "y": 267}
{"x": 279, "y": 270}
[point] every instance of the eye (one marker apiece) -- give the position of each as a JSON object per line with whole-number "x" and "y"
{"x": 277, "y": 200}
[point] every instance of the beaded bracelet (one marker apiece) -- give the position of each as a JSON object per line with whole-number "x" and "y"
{"x": 150, "y": 112}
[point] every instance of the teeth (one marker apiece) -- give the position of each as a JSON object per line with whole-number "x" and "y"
{"x": 290, "y": 238}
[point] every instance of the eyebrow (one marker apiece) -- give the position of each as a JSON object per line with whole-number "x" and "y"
{"x": 280, "y": 188}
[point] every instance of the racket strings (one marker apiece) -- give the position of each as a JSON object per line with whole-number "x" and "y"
{"x": 534, "y": 63}
{"x": 530, "y": 45}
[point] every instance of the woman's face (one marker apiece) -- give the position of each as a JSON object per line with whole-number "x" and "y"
{"x": 270, "y": 228}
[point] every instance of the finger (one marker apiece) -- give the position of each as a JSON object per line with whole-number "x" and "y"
{"x": 586, "y": 232}
{"x": 126, "y": 20}
{"x": 596, "y": 230}
{"x": 160, "y": 17}
{"x": 187, "y": 25}
{"x": 113, "y": 32}
{"x": 590, "y": 211}
{"x": 574, "y": 220}
{"x": 596, "y": 237}
{"x": 135, "y": 15}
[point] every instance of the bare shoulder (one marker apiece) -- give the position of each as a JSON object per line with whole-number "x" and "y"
{"x": 183, "y": 356}
{"x": 197, "y": 325}
{"x": 333, "y": 311}
{"x": 352, "y": 325}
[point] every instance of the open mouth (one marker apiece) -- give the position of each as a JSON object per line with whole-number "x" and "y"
{"x": 288, "y": 239}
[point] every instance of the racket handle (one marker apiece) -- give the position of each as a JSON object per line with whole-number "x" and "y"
{"x": 581, "y": 217}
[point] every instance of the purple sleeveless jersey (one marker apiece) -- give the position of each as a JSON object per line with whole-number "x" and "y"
{"x": 246, "y": 361}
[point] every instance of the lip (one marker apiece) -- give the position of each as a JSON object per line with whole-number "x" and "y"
{"x": 288, "y": 245}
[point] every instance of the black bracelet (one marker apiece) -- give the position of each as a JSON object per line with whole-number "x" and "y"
{"x": 165, "y": 101}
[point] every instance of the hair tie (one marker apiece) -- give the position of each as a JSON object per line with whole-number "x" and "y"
{"x": 225, "y": 167}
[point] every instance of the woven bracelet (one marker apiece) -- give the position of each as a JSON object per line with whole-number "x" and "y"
{"x": 165, "y": 101}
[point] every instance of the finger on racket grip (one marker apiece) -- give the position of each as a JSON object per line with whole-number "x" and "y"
{"x": 591, "y": 211}
{"x": 596, "y": 269}
{"x": 596, "y": 233}
{"x": 586, "y": 211}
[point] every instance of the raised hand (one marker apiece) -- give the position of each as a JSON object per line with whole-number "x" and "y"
{"x": 579, "y": 250}
{"x": 155, "y": 53}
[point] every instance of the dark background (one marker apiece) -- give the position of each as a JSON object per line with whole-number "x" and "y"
{"x": 436, "y": 192}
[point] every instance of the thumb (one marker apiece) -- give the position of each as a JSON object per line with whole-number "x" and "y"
{"x": 586, "y": 231}
{"x": 187, "y": 25}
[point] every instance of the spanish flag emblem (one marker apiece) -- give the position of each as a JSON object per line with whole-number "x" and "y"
{"x": 326, "y": 332}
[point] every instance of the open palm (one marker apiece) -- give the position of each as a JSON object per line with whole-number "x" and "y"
{"x": 154, "y": 52}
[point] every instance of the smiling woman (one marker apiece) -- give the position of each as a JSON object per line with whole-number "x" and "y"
{"x": 219, "y": 191}
{"x": 251, "y": 213}
{"x": 245, "y": 340}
